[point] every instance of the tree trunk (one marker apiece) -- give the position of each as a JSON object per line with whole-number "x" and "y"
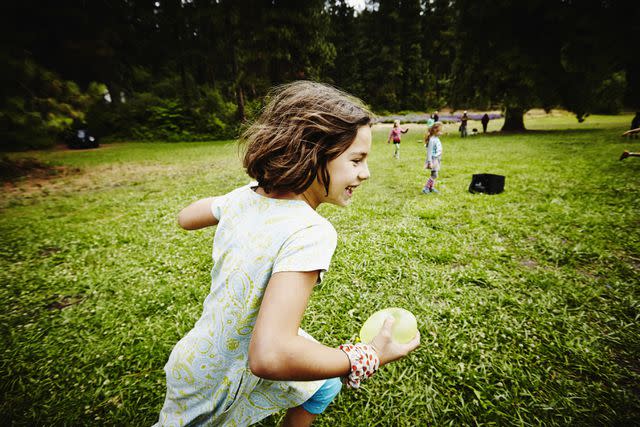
{"x": 239, "y": 90}
{"x": 513, "y": 120}
{"x": 232, "y": 24}
{"x": 183, "y": 80}
{"x": 240, "y": 102}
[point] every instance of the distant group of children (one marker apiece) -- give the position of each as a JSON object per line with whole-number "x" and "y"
{"x": 432, "y": 143}
{"x": 434, "y": 150}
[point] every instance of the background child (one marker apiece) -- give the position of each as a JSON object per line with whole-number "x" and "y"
{"x": 485, "y": 122}
{"x": 626, "y": 154}
{"x": 434, "y": 155}
{"x": 395, "y": 135}
{"x": 246, "y": 357}
{"x": 463, "y": 125}
{"x": 635, "y": 124}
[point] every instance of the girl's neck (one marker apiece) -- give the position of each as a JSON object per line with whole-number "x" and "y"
{"x": 285, "y": 195}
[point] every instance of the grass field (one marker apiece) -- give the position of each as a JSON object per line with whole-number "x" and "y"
{"x": 528, "y": 302}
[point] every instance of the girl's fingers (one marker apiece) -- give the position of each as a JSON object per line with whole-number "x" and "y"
{"x": 414, "y": 343}
{"x": 388, "y": 323}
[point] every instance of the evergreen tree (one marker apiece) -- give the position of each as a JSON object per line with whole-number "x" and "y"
{"x": 347, "y": 36}
{"x": 438, "y": 49}
{"x": 413, "y": 66}
{"x": 533, "y": 54}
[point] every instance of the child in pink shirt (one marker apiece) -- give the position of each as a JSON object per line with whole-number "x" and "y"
{"x": 395, "y": 135}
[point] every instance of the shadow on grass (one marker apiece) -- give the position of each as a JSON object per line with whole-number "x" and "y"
{"x": 10, "y": 170}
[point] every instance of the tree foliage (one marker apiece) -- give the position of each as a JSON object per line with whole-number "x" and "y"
{"x": 38, "y": 105}
{"x": 538, "y": 54}
{"x": 201, "y": 67}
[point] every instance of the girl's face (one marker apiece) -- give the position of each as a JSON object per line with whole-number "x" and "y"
{"x": 347, "y": 172}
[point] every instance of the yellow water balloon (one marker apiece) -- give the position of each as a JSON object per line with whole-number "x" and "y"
{"x": 403, "y": 330}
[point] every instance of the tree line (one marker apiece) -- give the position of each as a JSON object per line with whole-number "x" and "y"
{"x": 196, "y": 69}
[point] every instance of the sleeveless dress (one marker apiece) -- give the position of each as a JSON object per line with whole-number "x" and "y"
{"x": 208, "y": 377}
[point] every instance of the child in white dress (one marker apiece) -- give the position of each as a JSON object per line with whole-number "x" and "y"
{"x": 434, "y": 156}
{"x": 246, "y": 357}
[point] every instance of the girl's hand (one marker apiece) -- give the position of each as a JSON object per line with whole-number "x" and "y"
{"x": 428, "y": 165}
{"x": 389, "y": 350}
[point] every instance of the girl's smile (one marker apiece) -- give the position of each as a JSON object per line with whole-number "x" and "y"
{"x": 347, "y": 172}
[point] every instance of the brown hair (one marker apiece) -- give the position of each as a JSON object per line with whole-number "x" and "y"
{"x": 432, "y": 130}
{"x": 303, "y": 126}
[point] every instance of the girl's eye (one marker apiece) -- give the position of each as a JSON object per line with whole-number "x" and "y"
{"x": 356, "y": 161}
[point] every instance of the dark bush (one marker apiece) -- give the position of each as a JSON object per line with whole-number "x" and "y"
{"x": 148, "y": 117}
{"x": 38, "y": 105}
{"x": 610, "y": 95}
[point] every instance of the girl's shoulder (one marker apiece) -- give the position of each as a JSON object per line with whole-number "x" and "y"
{"x": 236, "y": 194}
{"x": 296, "y": 214}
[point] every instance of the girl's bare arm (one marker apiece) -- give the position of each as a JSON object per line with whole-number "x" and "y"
{"x": 197, "y": 215}
{"x": 277, "y": 352}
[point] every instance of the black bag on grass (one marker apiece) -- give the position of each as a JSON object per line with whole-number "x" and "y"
{"x": 486, "y": 183}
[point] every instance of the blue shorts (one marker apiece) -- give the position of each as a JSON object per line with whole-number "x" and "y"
{"x": 323, "y": 397}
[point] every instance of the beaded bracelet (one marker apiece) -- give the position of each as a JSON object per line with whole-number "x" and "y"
{"x": 364, "y": 362}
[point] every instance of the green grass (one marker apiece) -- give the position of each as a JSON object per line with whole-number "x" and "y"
{"x": 528, "y": 301}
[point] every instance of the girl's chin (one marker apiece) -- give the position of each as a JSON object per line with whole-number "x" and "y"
{"x": 342, "y": 201}
{"x": 346, "y": 201}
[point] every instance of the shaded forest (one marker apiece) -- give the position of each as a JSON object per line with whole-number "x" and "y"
{"x": 196, "y": 69}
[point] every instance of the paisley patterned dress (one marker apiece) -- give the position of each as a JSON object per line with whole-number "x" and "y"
{"x": 208, "y": 378}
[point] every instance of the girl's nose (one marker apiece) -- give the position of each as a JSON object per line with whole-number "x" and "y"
{"x": 364, "y": 173}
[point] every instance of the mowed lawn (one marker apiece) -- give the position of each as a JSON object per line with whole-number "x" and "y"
{"x": 528, "y": 302}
